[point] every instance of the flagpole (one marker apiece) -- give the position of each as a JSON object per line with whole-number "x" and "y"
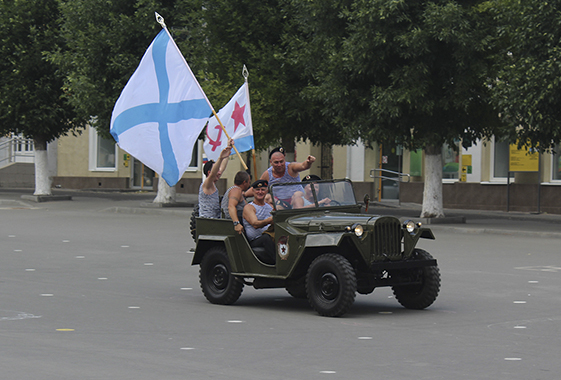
{"x": 245, "y": 74}
{"x": 160, "y": 21}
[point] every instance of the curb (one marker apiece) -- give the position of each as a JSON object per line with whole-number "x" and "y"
{"x": 185, "y": 211}
{"x": 46, "y": 198}
{"x": 489, "y": 231}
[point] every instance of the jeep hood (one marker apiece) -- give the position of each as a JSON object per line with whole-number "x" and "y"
{"x": 329, "y": 221}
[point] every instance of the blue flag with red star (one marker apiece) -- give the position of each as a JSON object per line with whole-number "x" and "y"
{"x": 236, "y": 118}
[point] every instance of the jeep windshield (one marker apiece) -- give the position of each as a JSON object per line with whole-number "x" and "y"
{"x": 312, "y": 194}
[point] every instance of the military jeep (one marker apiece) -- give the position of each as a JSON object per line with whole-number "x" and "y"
{"x": 325, "y": 252}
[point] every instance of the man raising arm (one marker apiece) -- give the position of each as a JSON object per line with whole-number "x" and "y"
{"x": 281, "y": 171}
{"x": 209, "y": 204}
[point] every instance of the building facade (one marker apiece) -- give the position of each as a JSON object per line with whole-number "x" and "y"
{"x": 484, "y": 176}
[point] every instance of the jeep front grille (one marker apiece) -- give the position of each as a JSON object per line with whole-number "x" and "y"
{"x": 387, "y": 239}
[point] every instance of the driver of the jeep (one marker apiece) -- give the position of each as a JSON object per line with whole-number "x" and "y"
{"x": 256, "y": 221}
{"x": 308, "y": 197}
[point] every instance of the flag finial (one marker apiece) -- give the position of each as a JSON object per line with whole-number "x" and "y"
{"x": 160, "y": 20}
{"x": 245, "y": 73}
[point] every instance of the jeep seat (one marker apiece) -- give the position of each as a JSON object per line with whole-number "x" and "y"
{"x": 259, "y": 252}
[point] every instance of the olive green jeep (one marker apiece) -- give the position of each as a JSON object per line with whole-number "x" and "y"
{"x": 325, "y": 252}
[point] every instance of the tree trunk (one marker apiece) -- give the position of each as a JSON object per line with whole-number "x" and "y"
{"x": 326, "y": 161}
{"x": 42, "y": 178}
{"x": 166, "y": 193}
{"x": 432, "y": 194}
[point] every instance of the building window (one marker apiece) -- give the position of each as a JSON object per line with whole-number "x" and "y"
{"x": 500, "y": 159}
{"x": 450, "y": 162}
{"x": 103, "y": 153}
{"x": 195, "y": 159}
{"x": 556, "y": 164}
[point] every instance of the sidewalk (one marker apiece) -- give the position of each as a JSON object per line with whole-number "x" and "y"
{"x": 137, "y": 202}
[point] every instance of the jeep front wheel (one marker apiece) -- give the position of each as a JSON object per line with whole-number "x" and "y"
{"x": 422, "y": 295}
{"x": 215, "y": 276}
{"x": 331, "y": 285}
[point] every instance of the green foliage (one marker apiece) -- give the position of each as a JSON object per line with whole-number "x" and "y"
{"x": 416, "y": 73}
{"x": 527, "y": 88}
{"x": 399, "y": 72}
{"x": 106, "y": 40}
{"x": 234, "y": 33}
{"x": 32, "y": 100}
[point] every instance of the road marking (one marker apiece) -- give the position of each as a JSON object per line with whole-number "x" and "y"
{"x": 365, "y": 337}
{"x": 542, "y": 268}
{"x": 519, "y": 327}
{"x": 17, "y": 250}
{"x": 66, "y": 241}
{"x": 234, "y": 321}
{"x": 519, "y": 302}
{"x": 80, "y": 257}
{"x": 513, "y": 359}
{"x": 148, "y": 263}
{"x": 324, "y": 372}
{"x": 102, "y": 278}
{"x": 65, "y": 330}
{"x": 187, "y": 348}
{"x": 30, "y": 270}
{"x": 186, "y": 288}
{"x": 47, "y": 295}
{"x": 19, "y": 315}
{"x": 134, "y": 307}
{"x": 125, "y": 246}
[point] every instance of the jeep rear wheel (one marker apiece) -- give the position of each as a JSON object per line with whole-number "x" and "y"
{"x": 422, "y": 295}
{"x": 215, "y": 276}
{"x": 331, "y": 285}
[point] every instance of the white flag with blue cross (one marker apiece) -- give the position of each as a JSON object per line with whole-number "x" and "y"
{"x": 161, "y": 111}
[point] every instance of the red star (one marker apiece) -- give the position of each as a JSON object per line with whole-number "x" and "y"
{"x": 237, "y": 115}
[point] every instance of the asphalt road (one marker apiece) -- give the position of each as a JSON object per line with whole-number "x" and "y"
{"x": 86, "y": 293}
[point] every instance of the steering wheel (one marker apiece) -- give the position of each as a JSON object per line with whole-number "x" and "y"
{"x": 334, "y": 203}
{"x": 284, "y": 204}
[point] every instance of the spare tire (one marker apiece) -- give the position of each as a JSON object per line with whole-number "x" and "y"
{"x": 193, "y": 222}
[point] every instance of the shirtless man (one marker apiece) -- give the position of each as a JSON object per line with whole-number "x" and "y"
{"x": 281, "y": 171}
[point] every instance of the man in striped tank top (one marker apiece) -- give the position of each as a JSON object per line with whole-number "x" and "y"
{"x": 281, "y": 171}
{"x": 209, "y": 201}
{"x": 257, "y": 219}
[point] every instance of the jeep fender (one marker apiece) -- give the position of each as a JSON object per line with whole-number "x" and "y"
{"x": 204, "y": 243}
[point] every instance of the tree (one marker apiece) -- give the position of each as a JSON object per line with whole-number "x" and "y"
{"x": 32, "y": 94}
{"x": 230, "y": 33}
{"x": 106, "y": 40}
{"x": 527, "y": 87}
{"x": 407, "y": 72}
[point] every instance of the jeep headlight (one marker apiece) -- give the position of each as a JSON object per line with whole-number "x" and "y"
{"x": 357, "y": 229}
{"x": 410, "y": 226}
